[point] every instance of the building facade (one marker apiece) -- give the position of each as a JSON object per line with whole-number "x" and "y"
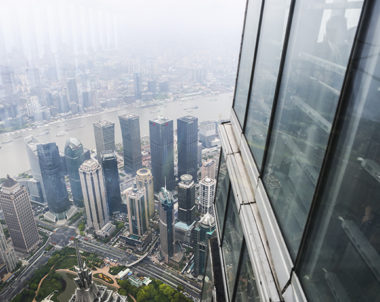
{"x": 144, "y": 179}
{"x": 137, "y": 210}
{"x": 7, "y": 252}
{"x": 104, "y": 132}
{"x": 166, "y": 224}
{"x": 187, "y": 144}
{"x": 94, "y": 194}
{"x": 18, "y": 214}
{"x": 130, "y": 133}
{"x": 112, "y": 182}
{"x": 162, "y": 153}
{"x": 208, "y": 169}
{"x": 206, "y": 195}
{"x": 74, "y": 157}
{"x": 186, "y": 199}
{"x": 296, "y": 200}
{"x": 53, "y": 178}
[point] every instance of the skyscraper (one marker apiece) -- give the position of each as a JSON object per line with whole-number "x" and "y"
{"x": 187, "y": 141}
{"x": 104, "y": 137}
{"x": 111, "y": 181}
{"x": 130, "y": 132}
{"x": 7, "y": 253}
{"x": 18, "y": 214}
{"x": 186, "y": 199}
{"x": 206, "y": 195}
{"x": 137, "y": 86}
{"x": 166, "y": 224}
{"x": 162, "y": 153}
{"x": 208, "y": 169}
{"x": 72, "y": 91}
{"x": 74, "y": 157}
{"x": 137, "y": 210}
{"x": 53, "y": 178}
{"x": 144, "y": 179}
{"x": 297, "y": 196}
{"x": 94, "y": 193}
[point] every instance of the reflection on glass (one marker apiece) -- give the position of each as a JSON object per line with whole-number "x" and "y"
{"x": 265, "y": 75}
{"x": 342, "y": 258}
{"x": 207, "y": 281}
{"x": 247, "y": 289}
{"x": 319, "y": 44}
{"x": 231, "y": 245}
{"x": 221, "y": 192}
{"x": 246, "y": 58}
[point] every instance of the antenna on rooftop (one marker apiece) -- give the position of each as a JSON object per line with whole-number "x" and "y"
{"x": 165, "y": 183}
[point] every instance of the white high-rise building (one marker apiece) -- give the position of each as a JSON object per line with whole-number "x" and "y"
{"x": 206, "y": 195}
{"x": 144, "y": 179}
{"x": 208, "y": 169}
{"x": 94, "y": 194}
{"x": 6, "y": 252}
{"x": 137, "y": 210}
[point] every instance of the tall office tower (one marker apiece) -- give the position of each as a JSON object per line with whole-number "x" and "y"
{"x": 112, "y": 182}
{"x": 130, "y": 132}
{"x": 53, "y": 178}
{"x": 200, "y": 235}
{"x": 94, "y": 193}
{"x": 144, "y": 179}
{"x": 31, "y": 149}
{"x": 104, "y": 137}
{"x": 137, "y": 210}
{"x": 17, "y": 209}
{"x": 208, "y": 169}
{"x": 187, "y": 142}
{"x": 186, "y": 199}
{"x": 162, "y": 153}
{"x": 166, "y": 224}
{"x": 297, "y": 202}
{"x": 206, "y": 195}
{"x": 200, "y": 147}
{"x": 137, "y": 86}
{"x": 72, "y": 91}
{"x": 7, "y": 253}
{"x": 74, "y": 157}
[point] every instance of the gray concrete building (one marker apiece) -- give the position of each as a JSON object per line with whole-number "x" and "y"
{"x": 104, "y": 132}
{"x": 166, "y": 224}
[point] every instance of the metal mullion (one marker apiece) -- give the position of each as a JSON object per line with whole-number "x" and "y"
{"x": 336, "y": 125}
{"x": 239, "y": 269}
{"x": 278, "y": 85}
{"x": 253, "y": 66}
{"x": 241, "y": 47}
{"x": 217, "y": 176}
{"x": 225, "y": 213}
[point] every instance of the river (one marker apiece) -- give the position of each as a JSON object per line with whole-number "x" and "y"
{"x": 13, "y": 157}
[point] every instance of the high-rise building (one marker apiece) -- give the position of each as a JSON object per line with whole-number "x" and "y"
{"x": 187, "y": 142}
{"x": 199, "y": 151}
{"x": 200, "y": 234}
{"x": 94, "y": 193}
{"x": 208, "y": 169}
{"x": 162, "y": 153}
{"x": 137, "y": 210}
{"x": 112, "y": 182}
{"x": 186, "y": 199}
{"x": 74, "y": 157}
{"x": 130, "y": 132}
{"x": 206, "y": 195}
{"x": 144, "y": 179}
{"x": 137, "y": 86}
{"x": 297, "y": 196}
{"x": 72, "y": 91}
{"x": 53, "y": 178}
{"x": 166, "y": 224}
{"x": 7, "y": 254}
{"x": 18, "y": 214}
{"x": 104, "y": 137}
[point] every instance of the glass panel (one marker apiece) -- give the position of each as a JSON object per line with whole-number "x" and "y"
{"x": 246, "y": 58}
{"x": 231, "y": 245}
{"x": 265, "y": 75}
{"x": 247, "y": 289}
{"x": 320, "y": 41}
{"x": 208, "y": 281}
{"x": 221, "y": 192}
{"x": 342, "y": 259}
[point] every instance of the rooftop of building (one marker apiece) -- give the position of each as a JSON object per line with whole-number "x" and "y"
{"x": 89, "y": 165}
{"x": 207, "y": 220}
{"x": 9, "y": 182}
{"x": 143, "y": 172}
{"x": 208, "y": 181}
{"x": 188, "y": 118}
{"x": 165, "y": 196}
{"x": 103, "y": 123}
{"x": 128, "y": 116}
{"x": 160, "y": 120}
{"x": 73, "y": 143}
{"x": 186, "y": 178}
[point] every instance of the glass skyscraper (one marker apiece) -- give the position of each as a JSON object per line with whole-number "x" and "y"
{"x": 104, "y": 137}
{"x": 130, "y": 133}
{"x": 166, "y": 224}
{"x": 162, "y": 153}
{"x": 74, "y": 157}
{"x": 298, "y": 186}
{"x": 53, "y": 177}
{"x": 187, "y": 142}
